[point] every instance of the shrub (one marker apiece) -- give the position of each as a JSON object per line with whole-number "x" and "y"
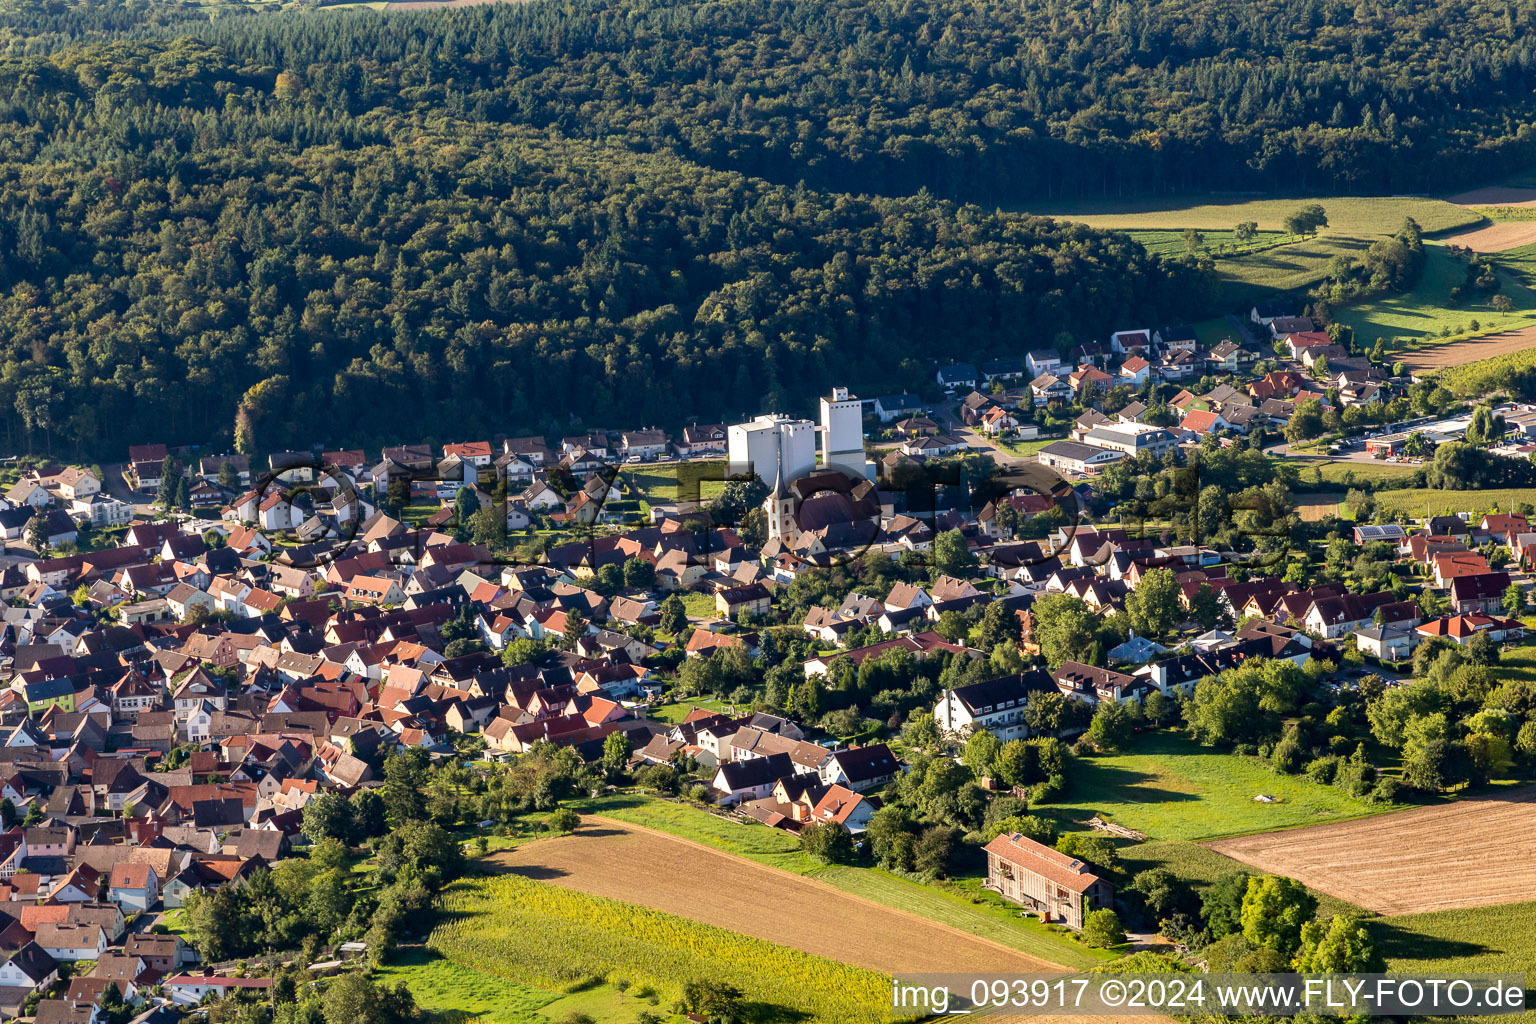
{"x": 564, "y": 820}
{"x": 1386, "y": 791}
{"x": 1324, "y": 769}
{"x": 1102, "y": 929}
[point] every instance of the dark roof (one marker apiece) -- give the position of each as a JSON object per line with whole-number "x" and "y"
{"x": 863, "y": 763}
{"x": 759, "y": 771}
{"x": 1000, "y": 691}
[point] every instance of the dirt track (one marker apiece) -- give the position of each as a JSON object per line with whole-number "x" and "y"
{"x": 1495, "y": 237}
{"x": 1438, "y": 357}
{"x": 1471, "y": 853}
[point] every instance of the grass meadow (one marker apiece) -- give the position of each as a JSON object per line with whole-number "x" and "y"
{"x": 1169, "y": 787}
{"x": 1426, "y": 311}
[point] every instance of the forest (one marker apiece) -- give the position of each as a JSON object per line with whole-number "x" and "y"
{"x": 353, "y": 228}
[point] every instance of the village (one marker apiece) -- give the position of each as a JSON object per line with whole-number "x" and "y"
{"x": 245, "y": 637}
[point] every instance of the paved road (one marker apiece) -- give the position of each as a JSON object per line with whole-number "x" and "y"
{"x": 950, "y": 422}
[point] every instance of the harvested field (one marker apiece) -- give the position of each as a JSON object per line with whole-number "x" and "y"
{"x": 625, "y": 862}
{"x": 1456, "y": 353}
{"x": 1314, "y": 508}
{"x": 1495, "y": 237}
{"x": 1471, "y": 853}
{"x": 1496, "y": 196}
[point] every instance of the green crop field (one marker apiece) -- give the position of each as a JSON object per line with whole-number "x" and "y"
{"x": 1486, "y": 375}
{"x": 1413, "y": 501}
{"x": 452, "y": 991}
{"x": 1519, "y": 262}
{"x": 1478, "y": 940}
{"x": 1426, "y": 311}
{"x": 1347, "y": 215}
{"x": 1171, "y": 788}
{"x": 543, "y": 935}
{"x": 980, "y": 914}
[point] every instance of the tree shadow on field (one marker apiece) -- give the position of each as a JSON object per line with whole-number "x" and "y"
{"x": 771, "y": 1013}
{"x": 536, "y": 872}
{"x": 588, "y": 831}
{"x": 1397, "y": 943}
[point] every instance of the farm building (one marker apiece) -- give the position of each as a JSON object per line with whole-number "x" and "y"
{"x": 1044, "y": 880}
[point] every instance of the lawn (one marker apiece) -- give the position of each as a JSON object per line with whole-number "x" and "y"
{"x": 676, "y": 482}
{"x": 1027, "y": 447}
{"x": 699, "y": 606}
{"x": 1426, "y": 312}
{"x": 980, "y": 914}
{"x": 1417, "y": 501}
{"x": 1171, "y": 788}
{"x": 675, "y": 713}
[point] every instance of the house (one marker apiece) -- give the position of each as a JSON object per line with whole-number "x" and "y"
{"x": 1048, "y": 388}
{"x": 1077, "y": 458}
{"x": 1387, "y": 643}
{"x": 752, "y": 599}
{"x": 191, "y": 989}
{"x": 751, "y": 779}
{"x": 28, "y": 969}
{"x": 1043, "y": 361}
{"x": 861, "y": 768}
{"x": 1460, "y": 629}
{"x": 1203, "y": 421}
{"x": 1482, "y": 592}
{"x": 996, "y": 705}
{"x": 894, "y": 407}
{"x": 957, "y": 375}
{"x": 645, "y": 444}
{"x": 1135, "y": 371}
{"x": 134, "y": 886}
{"x": 1059, "y": 888}
{"x": 844, "y": 806}
{"x": 71, "y": 942}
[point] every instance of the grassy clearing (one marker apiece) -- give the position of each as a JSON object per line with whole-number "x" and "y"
{"x": 1347, "y": 215}
{"x": 1171, "y": 788}
{"x": 1414, "y": 501}
{"x": 1518, "y": 663}
{"x": 1344, "y": 471}
{"x": 699, "y": 606}
{"x": 674, "y": 482}
{"x": 1214, "y": 331}
{"x": 549, "y": 937}
{"x": 453, "y": 991}
{"x": 982, "y": 914}
{"x": 1426, "y": 311}
{"x": 1287, "y": 268}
